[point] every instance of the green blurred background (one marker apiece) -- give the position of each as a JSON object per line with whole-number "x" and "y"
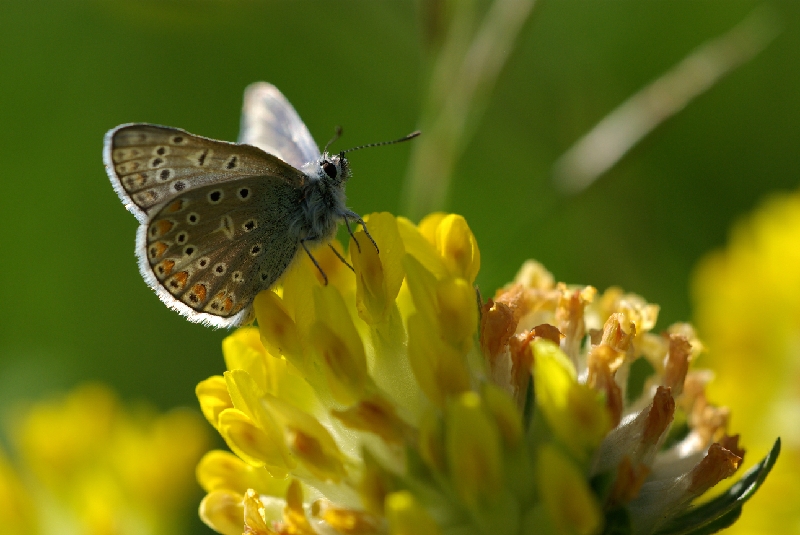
{"x": 74, "y": 305}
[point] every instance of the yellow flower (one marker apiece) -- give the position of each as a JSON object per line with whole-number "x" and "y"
{"x": 748, "y": 308}
{"x": 392, "y": 401}
{"x": 85, "y": 464}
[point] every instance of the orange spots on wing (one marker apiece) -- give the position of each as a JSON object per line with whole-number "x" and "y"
{"x": 146, "y": 197}
{"x": 158, "y": 249}
{"x": 200, "y": 291}
{"x": 165, "y": 268}
{"x": 127, "y": 167}
{"x": 135, "y": 181}
{"x": 178, "y": 281}
{"x": 175, "y": 206}
{"x": 121, "y": 155}
{"x": 163, "y": 226}
{"x": 221, "y": 304}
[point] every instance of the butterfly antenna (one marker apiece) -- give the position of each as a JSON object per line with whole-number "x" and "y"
{"x": 412, "y": 135}
{"x": 336, "y": 135}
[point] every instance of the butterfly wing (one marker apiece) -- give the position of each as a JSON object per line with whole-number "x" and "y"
{"x": 270, "y": 123}
{"x": 210, "y": 251}
{"x": 218, "y": 220}
{"x": 149, "y": 165}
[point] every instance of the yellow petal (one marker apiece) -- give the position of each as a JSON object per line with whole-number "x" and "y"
{"x": 338, "y": 346}
{"x": 255, "y": 522}
{"x": 294, "y": 516}
{"x": 458, "y": 312}
{"x": 407, "y": 517}
{"x": 223, "y": 512}
{"x": 376, "y": 483}
{"x": 422, "y": 249}
{"x": 374, "y": 415}
{"x": 378, "y": 275}
{"x": 348, "y": 521}
{"x": 222, "y": 470}
{"x": 17, "y": 506}
{"x": 243, "y": 350}
{"x": 213, "y": 396}
{"x": 422, "y": 284}
{"x": 575, "y": 412}
{"x": 251, "y": 443}
{"x": 279, "y": 333}
{"x": 473, "y": 450}
{"x": 505, "y": 415}
{"x": 308, "y": 440}
{"x": 441, "y": 370}
{"x": 431, "y": 442}
{"x": 570, "y": 502}
{"x": 429, "y": 225}
{"x": 459, "y": 248}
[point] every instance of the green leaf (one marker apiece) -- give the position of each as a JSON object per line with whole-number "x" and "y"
{"x": 723, "y": 510}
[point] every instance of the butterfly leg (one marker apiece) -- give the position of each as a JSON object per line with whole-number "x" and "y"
{"x": 340, "y": 257}
{"x": 305, "y": 248}
{"x": 357, "y": 219}
{"x": 350, "y": 231}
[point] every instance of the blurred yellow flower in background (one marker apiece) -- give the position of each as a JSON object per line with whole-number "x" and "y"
{"x": 397, "y": 402}
{"x": 86, "y": 464}
{"x": 747, "y": 299}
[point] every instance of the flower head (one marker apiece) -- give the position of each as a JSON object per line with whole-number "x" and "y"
{"x": 748, "y": 305}
{"x": 396, "y": 401}
{"x": 86, "y": 464}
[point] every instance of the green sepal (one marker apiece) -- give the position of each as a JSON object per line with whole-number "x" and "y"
{"x": 602, "y": 484}
{"x": 617, "y": 522}
{"x": 723, "y": 510}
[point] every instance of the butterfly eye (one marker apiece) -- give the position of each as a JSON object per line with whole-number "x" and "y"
{"x": 329, "y": 169}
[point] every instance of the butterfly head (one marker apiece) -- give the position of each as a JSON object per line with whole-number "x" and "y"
{"x": 335, "y": 168}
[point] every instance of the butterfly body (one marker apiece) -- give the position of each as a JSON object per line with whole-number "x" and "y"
{"x": 220, "y": 221}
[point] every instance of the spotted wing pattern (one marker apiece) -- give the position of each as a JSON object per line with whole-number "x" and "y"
{"x": 150, "y": 165}
{"x": 214, "y": 248}
{"x": 218, "y": 220}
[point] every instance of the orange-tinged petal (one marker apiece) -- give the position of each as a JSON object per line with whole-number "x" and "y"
{"x": 223, "y": 511}
{"x": 375, "y": 415}
{"x": 251, "y": 443}
{"x": 279, "y": 333}
{"x": 378, "y": 275}
{"x": 347, "y": 521}
{"x": 255, "y": 522}
{"x": 219, "y": 470}
{"x": 308, "y": 440}
{"x": 294, "y": 516}
{"x": 338, "y": 346}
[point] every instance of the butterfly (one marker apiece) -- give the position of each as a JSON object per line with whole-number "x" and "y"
{"x": 219, "y": 221}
